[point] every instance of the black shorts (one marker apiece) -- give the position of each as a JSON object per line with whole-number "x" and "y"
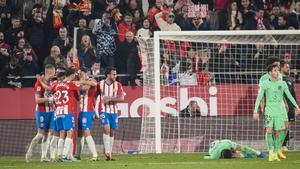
{"x": 291, "y": 115}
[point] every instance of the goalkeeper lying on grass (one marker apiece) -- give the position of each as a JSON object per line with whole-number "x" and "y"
{"x": 229, "y": 149}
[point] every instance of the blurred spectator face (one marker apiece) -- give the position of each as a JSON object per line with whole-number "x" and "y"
{"x": 159, "y": 3}
{"x": 129, "y": 37}
{"x": 16, "y": 23}
{"x": 287, "y": 57}
{"x": 137, "y": 14}
{"x": 196, "y": 21}
{"x": 146, "y": 24}
{"x": 21, "y": 43}
{"x": 191, "y": 53}
{"x": 128, "y": 20}
{"x": 55, "y": 52}
{"x": 1, "y": 37}
{"x": 184, "y": 10}
{"x": 298, "y": 6}
{"x": 193, "y": 106}
{"x": 281, "y": 21}
{"x": 2, "y": 2}
{"x": 133, "y": 4}
{"x": 37, "y": 17}
{"x": 63, "y": 33}
{"x": 260, "y": 13}
{"x": 234, "y": 6}
{"x": 82, "y": 23}
{"x": 276, "y": 10}
{"x": 96, "y": 68}
{"x": 245, "y": 3}
{"x": 86, "y": 40}
{"x": 106, "y": 19}
{"x": 170, "y": 19}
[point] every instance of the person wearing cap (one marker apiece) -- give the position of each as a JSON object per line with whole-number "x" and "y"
{"x": 168, "y": 24}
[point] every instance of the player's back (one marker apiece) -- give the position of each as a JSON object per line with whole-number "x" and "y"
{"x": 64, "y": 97}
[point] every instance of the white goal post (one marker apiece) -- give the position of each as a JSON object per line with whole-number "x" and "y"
{"x": 163, "y": 132}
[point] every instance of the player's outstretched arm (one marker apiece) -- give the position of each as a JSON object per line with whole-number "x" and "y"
{"x": 257, "y": 102}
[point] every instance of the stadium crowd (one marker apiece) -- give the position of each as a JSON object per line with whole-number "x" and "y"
{"x": 38, "y": 32}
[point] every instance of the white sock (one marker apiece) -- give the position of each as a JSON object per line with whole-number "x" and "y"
{"x": 70, "y": 155}
{"x": 111, "y": 141}
{"x": 49, "y": 138}
{"x": 67, "y": 146}
{"x": 60, "y": 147}
{"x": 79, "y": 146}
{"x": 53, "y": 146}
{"x": 44, "y": 146}
{"x": 34, "y": 142}
{"x": 91, "y": 144}
{"x": 106, "y": 143}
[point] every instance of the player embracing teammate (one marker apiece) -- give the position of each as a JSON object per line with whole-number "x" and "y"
{"x": 64, "y": 94}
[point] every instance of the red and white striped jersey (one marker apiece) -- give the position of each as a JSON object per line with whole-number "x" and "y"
{"x": 87, "y": 100}
{"x": 64, "y": 97}
{"x": 110, "y": 90}
{"x": 42, "y": 93}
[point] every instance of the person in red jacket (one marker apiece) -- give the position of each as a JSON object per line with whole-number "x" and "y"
{"x": 126, "y": 26}
{"x": 158, "y": 7}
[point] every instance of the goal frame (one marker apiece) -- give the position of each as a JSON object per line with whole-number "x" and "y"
{"x": 160, "y": 34}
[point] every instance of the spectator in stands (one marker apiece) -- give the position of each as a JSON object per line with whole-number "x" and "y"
{"x": 19, "y": 48}
{"x": 36, "y": 35}
{"x": 28, "y": 62}
{"x": 282, "y": 23}
{"x": 97, "y": 69}
{"x": 274, "y": 16}
{"x": 5, "y": 15}
{"x": 146, "y": 30}
{"x": 12, "y": 69}
{"x": 197, "y": 23}
{"x": 137, "y": 18}
{"x": 262, "y": 22}
{"x": 106, "y": 32}
{"x": 64, "y": 42}
{"x": 181, "y": 17}
{"x": 167, "y": 25}
{"x": 294, "y": 17}
{"x": 5, "y": 53}
{"x": 235, "y": 19}
{"x": 125, "y": 49}
{"x": 82, "y": 30}
{"x": 126, "y": 26}
{"x": 192, "y": 110}
{"x": 158, "y": 7}
{"x": 86, "y": 52}
{"x": 248, "y": 12}
{"x": 55, "y": 57}
{"x": 220, "y": 7}
{"x": 14, "y": 32}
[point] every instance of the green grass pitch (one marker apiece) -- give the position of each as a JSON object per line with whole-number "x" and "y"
{"x": 158, "y": 161}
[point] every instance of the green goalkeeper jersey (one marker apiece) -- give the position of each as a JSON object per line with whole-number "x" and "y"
{"x": 274, "y": 92}
{"x": 216, "y": 148}
{"x": 266, "y": 77}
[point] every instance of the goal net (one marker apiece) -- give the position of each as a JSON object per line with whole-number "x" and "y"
{"x": 202, "y": 86}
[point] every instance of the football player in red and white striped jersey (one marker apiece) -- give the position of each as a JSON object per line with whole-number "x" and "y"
{"x": 86, "y": 115}
{"x": 44, "y": 114}
{"x": 111, "y": 92}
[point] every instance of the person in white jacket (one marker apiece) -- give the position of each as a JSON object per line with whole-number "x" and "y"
{"x": 168, "y": 24}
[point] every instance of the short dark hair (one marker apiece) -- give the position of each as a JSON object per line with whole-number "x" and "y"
{"x": 283, "y": 63}
{"x": 282, "y": 15}
{"x": 128, "y": 14}
{"x": 226, "y": 154}
{"x": 108, "y": 70}
{"x": 70, "y": 72}
{"x": 271, "y": 61}
{"x": 49, "y": 66}
{"x": 271, "y": 67}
